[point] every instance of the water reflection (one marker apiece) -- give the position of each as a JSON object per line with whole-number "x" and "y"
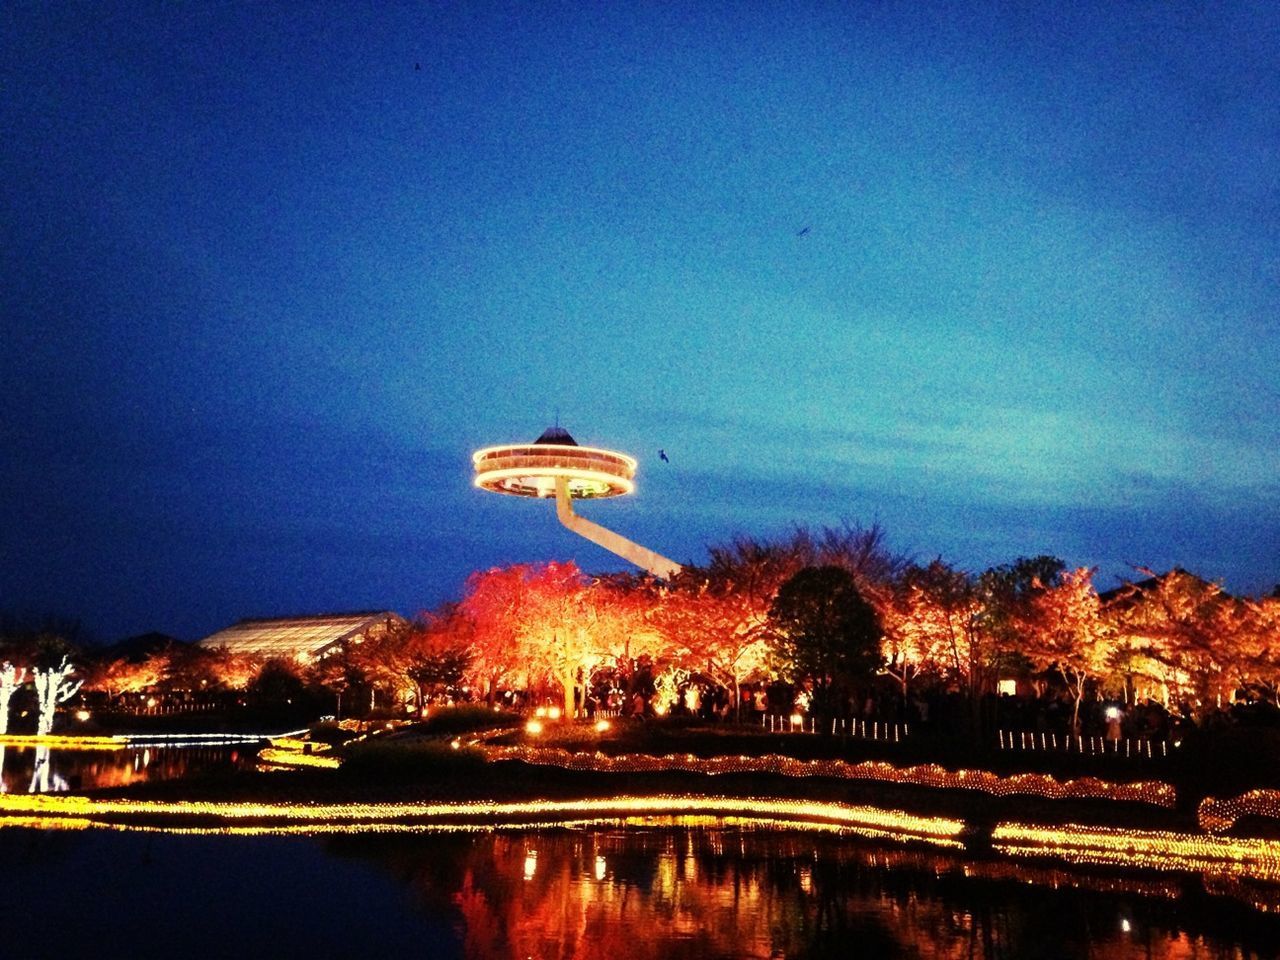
{"x": 45, "y": 770}
{"x": 729, "y": 893}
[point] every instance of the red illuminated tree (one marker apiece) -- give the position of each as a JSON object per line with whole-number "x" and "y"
{"x": 548, "y": 623}
{"x": 495, "y": 604}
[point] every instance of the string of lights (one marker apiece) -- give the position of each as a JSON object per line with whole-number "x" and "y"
{"x": 1156, "y": 793}
{"x": 1215, "y": 815}
{"x": 1151, "y": 849}
{"x": 79, "y": 812}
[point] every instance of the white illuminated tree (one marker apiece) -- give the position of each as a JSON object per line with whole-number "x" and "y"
{"x": 11, "y": 678}
{"x": 52, "y": 688}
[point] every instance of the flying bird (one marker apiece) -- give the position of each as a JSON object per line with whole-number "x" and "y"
{"x": 662, "y": 455}
{"x": 803, "y": 233}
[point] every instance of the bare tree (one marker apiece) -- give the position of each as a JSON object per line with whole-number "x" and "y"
{"x": 52, "y": 688}
{"x": 11, "y": 678}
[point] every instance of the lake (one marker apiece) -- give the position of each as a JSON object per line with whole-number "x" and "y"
{"x": 660, "y": 891}
{"x": 28, "y": 770}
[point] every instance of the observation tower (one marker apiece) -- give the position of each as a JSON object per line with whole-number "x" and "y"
{"x": 555, "y": 466}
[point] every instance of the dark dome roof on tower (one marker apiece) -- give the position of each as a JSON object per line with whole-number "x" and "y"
{"x": 558, "y": 435}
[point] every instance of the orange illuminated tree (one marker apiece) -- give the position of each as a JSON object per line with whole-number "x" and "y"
{"x": 1065, "y": 632}
{"x": 1189, "y": 630}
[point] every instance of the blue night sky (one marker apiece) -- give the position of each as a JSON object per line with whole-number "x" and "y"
{"x": 270, "y": 274}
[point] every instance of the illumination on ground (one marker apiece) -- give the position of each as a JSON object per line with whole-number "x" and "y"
{"x": 1149, "y": 849}
{"x": 74, "y": 812}
{"x": 1154, "y": 792}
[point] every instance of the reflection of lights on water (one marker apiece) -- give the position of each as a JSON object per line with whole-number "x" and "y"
{"x": 805, "y": 876}
{"x": 146, "y": 757}
{"x": 601, "y": 866}
{"x": 1125, "y": 926}
{"x": 530, "y": 864}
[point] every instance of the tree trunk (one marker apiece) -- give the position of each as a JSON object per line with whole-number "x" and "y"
{"x": 567, "y": 682}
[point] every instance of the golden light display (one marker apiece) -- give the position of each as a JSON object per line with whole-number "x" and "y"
{"x": 1216, "y": 816}
{"x": 1148, "y": 849}
{"x": 75, "y": 812}
{"x": 57, "y": 742}
{"x": 296, "y": 758}
{"x": 1156, "y": 793}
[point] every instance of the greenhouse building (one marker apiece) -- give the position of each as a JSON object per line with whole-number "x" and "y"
{"x": 304, "y": 639}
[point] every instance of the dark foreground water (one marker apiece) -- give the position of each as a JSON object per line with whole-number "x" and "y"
{"x": 603, "y": 893}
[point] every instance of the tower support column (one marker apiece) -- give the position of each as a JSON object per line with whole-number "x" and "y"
{"x": 642, "y": 557}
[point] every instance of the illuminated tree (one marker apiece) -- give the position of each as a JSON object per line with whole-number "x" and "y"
{"x": 234, "y": 671}
{"x": 52, "y": 688}
{"x": 188, "y": 666}
{"x": 560, "y": 636}
{"x": 119, "y": 676}
{"x": 339, "y": 671}
{"x": 923, "y": 632}
{"x": 548, "y": 623}
{"x": 716, "y": 618}
{"x": 495, "y": 603}
{"x": 943, "y": 617}
{"x": 1189, "y": 630}
{"x": 1008, "y": 594}
{"x": 1260, "y": 644}
{"x": 437, "y": 655}
{"x": 11, "y": 678}
{"x": 1065, "y": 632}
{"x": 624, "y": 623}
{"x": 716, "y": 630}
{"x": 827, "y": 633}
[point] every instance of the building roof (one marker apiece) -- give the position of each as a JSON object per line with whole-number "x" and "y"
{"x": 557, "y": 435}
{"x": 302, "y": 638}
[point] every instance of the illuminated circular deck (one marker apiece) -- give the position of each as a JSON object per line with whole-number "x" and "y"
{"x": 531, "y": 469}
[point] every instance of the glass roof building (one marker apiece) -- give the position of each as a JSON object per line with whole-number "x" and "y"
{"x": 301, "y": 638}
